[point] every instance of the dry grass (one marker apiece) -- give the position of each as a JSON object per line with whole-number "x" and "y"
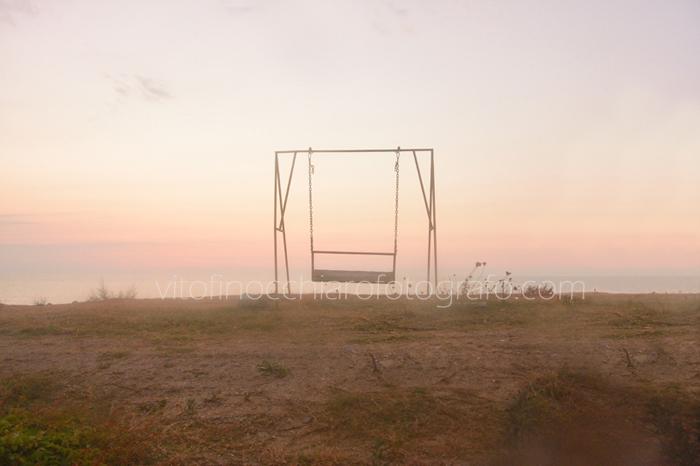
{"x": 405, "y": 424}
{"x": 353, "y": 382}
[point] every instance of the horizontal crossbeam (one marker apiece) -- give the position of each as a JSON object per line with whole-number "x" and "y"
{"x": 359, "y": 253}
{"x": 348, "y": 151}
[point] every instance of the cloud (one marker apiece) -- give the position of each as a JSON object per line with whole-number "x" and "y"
{"x": 7, "y": 220}
{"x": 237, "y": 9}
{"x": 390, "y": 17}
{"x": 10, "y": 9}
{"x": 139, "y": 86}
{"x": 244, "y": 7}
{"x": 152, "y": 90}
{"x": 29, "y": 219}
{"x": 398, "y": 10}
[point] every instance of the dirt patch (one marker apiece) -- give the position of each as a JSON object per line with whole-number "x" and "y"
{"x": 579, "y": 418}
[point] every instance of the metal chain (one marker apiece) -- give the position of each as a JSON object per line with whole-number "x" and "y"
{"x": 311, "y": 205}
{"x": 396, "y": 201}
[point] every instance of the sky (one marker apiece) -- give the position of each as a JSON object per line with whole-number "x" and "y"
{"x": 140, "y": 135}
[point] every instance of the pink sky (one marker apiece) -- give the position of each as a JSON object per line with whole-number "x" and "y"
{"x": 141, "y": 134}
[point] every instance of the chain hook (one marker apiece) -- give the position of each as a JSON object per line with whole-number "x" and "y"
{"x": 311, "y": 165}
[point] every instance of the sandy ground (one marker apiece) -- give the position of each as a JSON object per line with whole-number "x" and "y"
{"x": 320, "y": 382}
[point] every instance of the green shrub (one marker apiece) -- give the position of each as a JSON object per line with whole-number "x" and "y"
{"x": 24, "y": 441}
{"x": 274, "y": 369}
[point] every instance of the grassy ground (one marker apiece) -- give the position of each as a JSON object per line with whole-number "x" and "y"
{"x": 607, "y": 380}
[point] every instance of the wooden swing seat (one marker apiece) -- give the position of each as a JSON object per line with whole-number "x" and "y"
{"x": 352, "y": 276}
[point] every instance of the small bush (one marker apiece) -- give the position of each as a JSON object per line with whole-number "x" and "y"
{"x": 273, "y": 369}
{"x": 25, "y": 441}
{"x": 102, "y": 293}
{"x": 544, "y": 291}
{"x": 24, "y": 390}
{"x": 253, "y": 303}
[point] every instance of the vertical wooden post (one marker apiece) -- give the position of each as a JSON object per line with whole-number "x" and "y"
{"x": 430, "y": 235}
{"x": 275, "y": 220}
{"x": 311, "y": 218}
{"x": 434, "y": 219}
{"x": 282, "y": 228}
{"x": 283, "y": 206}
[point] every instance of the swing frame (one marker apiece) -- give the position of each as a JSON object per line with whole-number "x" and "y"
{"x": 318, "y": 275}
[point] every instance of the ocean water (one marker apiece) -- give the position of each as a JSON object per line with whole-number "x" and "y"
{"x": 66, "y": 288}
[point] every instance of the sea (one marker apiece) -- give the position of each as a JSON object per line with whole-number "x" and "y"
{"x": 64, "y": 287}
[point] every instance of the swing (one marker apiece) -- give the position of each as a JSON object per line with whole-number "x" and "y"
{"x": 354, "y": 276}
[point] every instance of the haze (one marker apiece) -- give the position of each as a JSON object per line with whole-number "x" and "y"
{"x": 140, "y": 135}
